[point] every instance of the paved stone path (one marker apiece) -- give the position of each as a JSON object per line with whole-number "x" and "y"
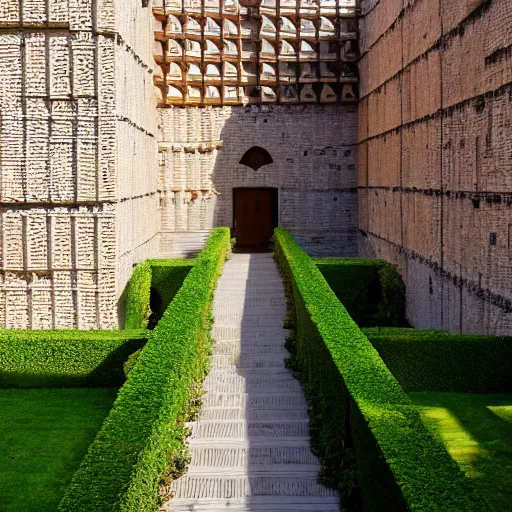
{"x": 250, "y": 444}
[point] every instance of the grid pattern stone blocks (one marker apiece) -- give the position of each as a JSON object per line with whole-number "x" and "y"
{"x": 64, "y": 117}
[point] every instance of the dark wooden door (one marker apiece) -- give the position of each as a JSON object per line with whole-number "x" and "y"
{"x": 254, "y": 210}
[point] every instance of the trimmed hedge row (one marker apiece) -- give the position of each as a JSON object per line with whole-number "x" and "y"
{"x": 371, "y": 290}
{"x": 359, "y": 412}
{"x": 440, "y": 361}
{"x": 164, "y": 277}
{"x": 143, "y": 434}
{"x": 137, "y": 296}
{"x": 167, "y": 276}
{"x": 66, "y": 358}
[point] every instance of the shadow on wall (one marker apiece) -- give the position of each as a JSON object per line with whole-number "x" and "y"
{"x": 312, "y": 169}
{"x": 438, "y": 300}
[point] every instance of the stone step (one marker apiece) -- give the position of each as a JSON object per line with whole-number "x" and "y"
{"x": 247, "y": 294}
{"x": 244, "y": 430}
{"x": 240, "y": 413}
{"x": 256, "y": 470}
{"x": 242, "y": 487}
{"x": 262, "y": 302}
{"x": 238, "y": 309}
{"x": 249, "y": 457}
{"x": 260, "y": 384}
{"x": 242, "y": 284}
{"x": 248, "y": 362}
{"x": 266, "y": 281}
{"x": 261, "y": 271}
{"x": 250, "y": 334}
{"x": 254, "y": 401}
{"x": 247, "y": 322}
{"x": 256, "y": 504}
{"x": 232, "y": 371}
{"x": 235, "y": 350}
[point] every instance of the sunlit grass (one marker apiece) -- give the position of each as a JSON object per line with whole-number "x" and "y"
{"x": 477, "y": 431}
{"x": 44, "y": 434}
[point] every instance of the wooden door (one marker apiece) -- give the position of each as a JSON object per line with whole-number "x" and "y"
{"x": 254, "y": 212}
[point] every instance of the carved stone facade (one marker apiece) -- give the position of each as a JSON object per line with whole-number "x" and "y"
{"x": 77, "y": 158}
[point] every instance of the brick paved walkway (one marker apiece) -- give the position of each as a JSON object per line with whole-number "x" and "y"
{"x": 250, "y": 445}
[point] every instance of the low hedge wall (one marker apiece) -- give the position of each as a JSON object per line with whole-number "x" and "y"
{"x": 66, "y": 358}
{"x": 137, "y": 296}
{"x": 143, "y": 434}
{"x": 440, "y": 361}
{"x": 371, "y": 290}
{"x": 167, "y": 276}
{"x": 163, "y": 276}
{"x": 359, "y": 412}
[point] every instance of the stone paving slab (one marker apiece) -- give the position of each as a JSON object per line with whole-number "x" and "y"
{"x": 254, "y": 401}
{"x": 251, "y": 415}
{"x": 250, "y": 444}
{"x": 247, "y": 362}
{"x": 251, "y": 334}
{"x": 242, "y": 430}
{"x": 261, "y": 304}
{"x": 239, "y": 384}
{"x": 232, "y": 370}
{"x": 244, "y": 322}
{"x": 240, "y": 487}
{"x": 236, "y": 351}
{"x": 258, "y": 504}
{"x": 245, "y": 456}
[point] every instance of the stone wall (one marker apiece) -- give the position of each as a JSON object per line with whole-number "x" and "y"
{"x": 435, "y": 152}
{"x": 71, "y": 132}
{"x": 137, "y": 210}
{"x": 313, "y": 148}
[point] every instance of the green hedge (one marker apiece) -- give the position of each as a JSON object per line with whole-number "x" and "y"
{"x": 439, "y": 361}
{"x": 371, "y": 290}
{"x": 167, "y": 276}
{"x": 358, "y": 409}
{"x": 151, "y": 289}
{"x": 65, "y": 358}
{"x": 144, "y": 432}
{"x": 137, "y": 296}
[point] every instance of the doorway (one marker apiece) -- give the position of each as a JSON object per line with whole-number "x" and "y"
{"x": 255, "y": 215}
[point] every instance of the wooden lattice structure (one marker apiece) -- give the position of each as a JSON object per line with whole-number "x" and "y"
{"x": 226, "y": 52}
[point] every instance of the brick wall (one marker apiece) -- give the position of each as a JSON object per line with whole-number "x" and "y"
{"x": 435, "y": 152}
{"x": 314, "y": 152}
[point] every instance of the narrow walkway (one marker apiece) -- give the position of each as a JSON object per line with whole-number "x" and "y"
{"x": 250, "y": 445}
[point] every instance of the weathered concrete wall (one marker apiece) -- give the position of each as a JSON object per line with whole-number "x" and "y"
{"x": 435, "y": 146}
{"x": 314, "y": 151}
{"x": 70, "y": 133}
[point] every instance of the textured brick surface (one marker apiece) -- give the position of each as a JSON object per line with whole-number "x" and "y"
{"x": 434, "y": 169}
{"x": 314, "y": 169}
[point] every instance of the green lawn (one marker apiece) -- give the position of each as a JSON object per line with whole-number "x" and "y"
{"x": 44, "y": 434}
{"x": 477, "y": 431}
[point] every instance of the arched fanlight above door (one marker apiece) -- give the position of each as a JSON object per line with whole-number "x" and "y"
{"x": 256, "y": 157}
